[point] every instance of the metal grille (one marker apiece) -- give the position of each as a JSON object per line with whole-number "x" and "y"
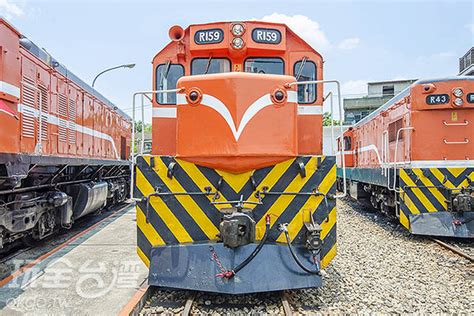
{"x": 62, "y": 111}
{"x": 45, "y": 111}
{"x": 72, "y": 121}
{"x": 28, "y": 115}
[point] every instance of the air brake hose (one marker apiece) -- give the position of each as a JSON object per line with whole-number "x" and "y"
{"x": 230, "y": 273}
{"x": 315, "y": 272}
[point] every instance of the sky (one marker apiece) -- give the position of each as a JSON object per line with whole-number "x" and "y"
{"x": 361, "y": 41}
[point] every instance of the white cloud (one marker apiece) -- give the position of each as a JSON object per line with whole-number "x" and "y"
{"x": 306, "y": 28}
{"x": 354, "y": 88}
{"x": 470, "y": 27}
{"x": 349, "y": 43}
{"x": 9, "y": 9}
{"x": 443, "y": 55}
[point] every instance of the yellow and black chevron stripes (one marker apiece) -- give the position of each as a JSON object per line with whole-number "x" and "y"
{"x": 174, "y": 219}
{"x": 426, "y": 190}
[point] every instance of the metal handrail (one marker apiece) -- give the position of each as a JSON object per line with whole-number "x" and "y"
{"x": 133, "y": 157}
{"x": 466, "y": 122}
{"x": 297, "y": 83}
{"x": 466, "y": 141}
{"x": 409, "y": 128}
{"x": 385, "y": 153}
{"x": 330, "y": 94}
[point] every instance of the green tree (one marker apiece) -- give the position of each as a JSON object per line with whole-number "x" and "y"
{"x": 327, "y": 119}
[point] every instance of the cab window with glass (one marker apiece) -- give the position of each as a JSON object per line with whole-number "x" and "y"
{"x": 347, "y": 143}
{"x": 167, "y": 76}
{"x": 262, "y": 65}
{"x": 305, "y": 70}
{"x": 201, "y": 66}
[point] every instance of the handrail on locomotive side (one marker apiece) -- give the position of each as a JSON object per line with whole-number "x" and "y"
{"x": 331, "y": 102}
{"x": 339, "y": 97}
{"x": 133, "y": 156}
{"x": 395, "y": 155}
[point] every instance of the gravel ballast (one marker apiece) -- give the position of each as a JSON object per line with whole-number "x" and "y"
{"x": 379, "y": 268}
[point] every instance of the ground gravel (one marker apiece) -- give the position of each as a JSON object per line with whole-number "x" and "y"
{"x": 379, "y": 268}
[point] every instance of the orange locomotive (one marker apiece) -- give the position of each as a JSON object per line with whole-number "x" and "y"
{"x": 413, "y": 157}
{"x": 63, "y": 147}
{"x": 236, "y": 196}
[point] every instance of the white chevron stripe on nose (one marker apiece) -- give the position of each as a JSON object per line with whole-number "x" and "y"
{"x": 217, "y": 105}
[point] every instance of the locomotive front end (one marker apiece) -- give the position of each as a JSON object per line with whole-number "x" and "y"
{"x": 231, "y": 200}
{"x": 437, "y": 196}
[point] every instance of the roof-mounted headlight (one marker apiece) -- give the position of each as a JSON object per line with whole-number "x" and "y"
{"x": 458, "y": 92}
{"x": 238, "y": 29}
{"x": 237, "y": 43}
{"x": 458, "y": 102}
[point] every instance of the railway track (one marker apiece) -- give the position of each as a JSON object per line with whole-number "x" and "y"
{"x": 36, "y": 259}
{"x": 169, "y": 301}
{"x": 454, "y": 249}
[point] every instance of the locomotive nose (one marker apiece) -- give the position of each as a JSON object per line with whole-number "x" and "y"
{"x": 238, "y": 121}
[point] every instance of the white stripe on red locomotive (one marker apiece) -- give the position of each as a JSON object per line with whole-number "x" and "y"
{"x": 52, "y": 119}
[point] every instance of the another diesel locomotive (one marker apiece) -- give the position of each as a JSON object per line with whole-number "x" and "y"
{"x": 414, "y": 157}
{"x": 64, "y": 148}
{"x": 236, "y": 196}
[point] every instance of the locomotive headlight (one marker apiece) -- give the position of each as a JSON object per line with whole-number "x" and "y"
{"x": 237, "y": 43}
{"x": 458, "y": 92}
{"x": 238, "y": 29}
{"x": 458, "y": 102}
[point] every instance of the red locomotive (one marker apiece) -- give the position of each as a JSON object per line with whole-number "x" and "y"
{"x": 413, "y": 157}
{"x": 236, "y": 196}
{"x": 64, "y": 148}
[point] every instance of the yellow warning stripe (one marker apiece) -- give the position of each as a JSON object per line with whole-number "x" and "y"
{"x": 329, "y": 256}
{"x": 410, "y": 205}
{"x": 436, "y": 193}
{"x": 404, "y": 220}
{"x": 277, "y": 208}
{"x": 188, "y": 203}
{"x": 455, "y": 172}
{"x": 162, "y": 209}
{"x": 441, "y": 178}
{"x": 312, "y": 203}
{"x": 417, "y": 192}
{"x": 148, "y": 230}
{"x": 142, "y": 256}
{"x": 235, "y": 181}
{"x": 200, "y": 179}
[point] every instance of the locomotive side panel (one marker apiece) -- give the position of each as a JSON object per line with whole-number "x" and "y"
{"x": 45, "y": 183}
{"x": 9, "y": 88}
{"x": 423, "y": 137}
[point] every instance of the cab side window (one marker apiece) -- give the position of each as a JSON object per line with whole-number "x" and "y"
{"x": 347, "y": 143}
{"x": 305, "y": 70}
{"x": 167, "y": 76}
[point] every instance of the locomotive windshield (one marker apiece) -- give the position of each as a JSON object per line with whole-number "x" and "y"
{"x": 167, "y": 76}
{"x": 201, "y": 66}
{"x": 273, "y": 66}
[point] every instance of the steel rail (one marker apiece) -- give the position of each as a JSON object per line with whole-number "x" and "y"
{"x": 453, "y": 249}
